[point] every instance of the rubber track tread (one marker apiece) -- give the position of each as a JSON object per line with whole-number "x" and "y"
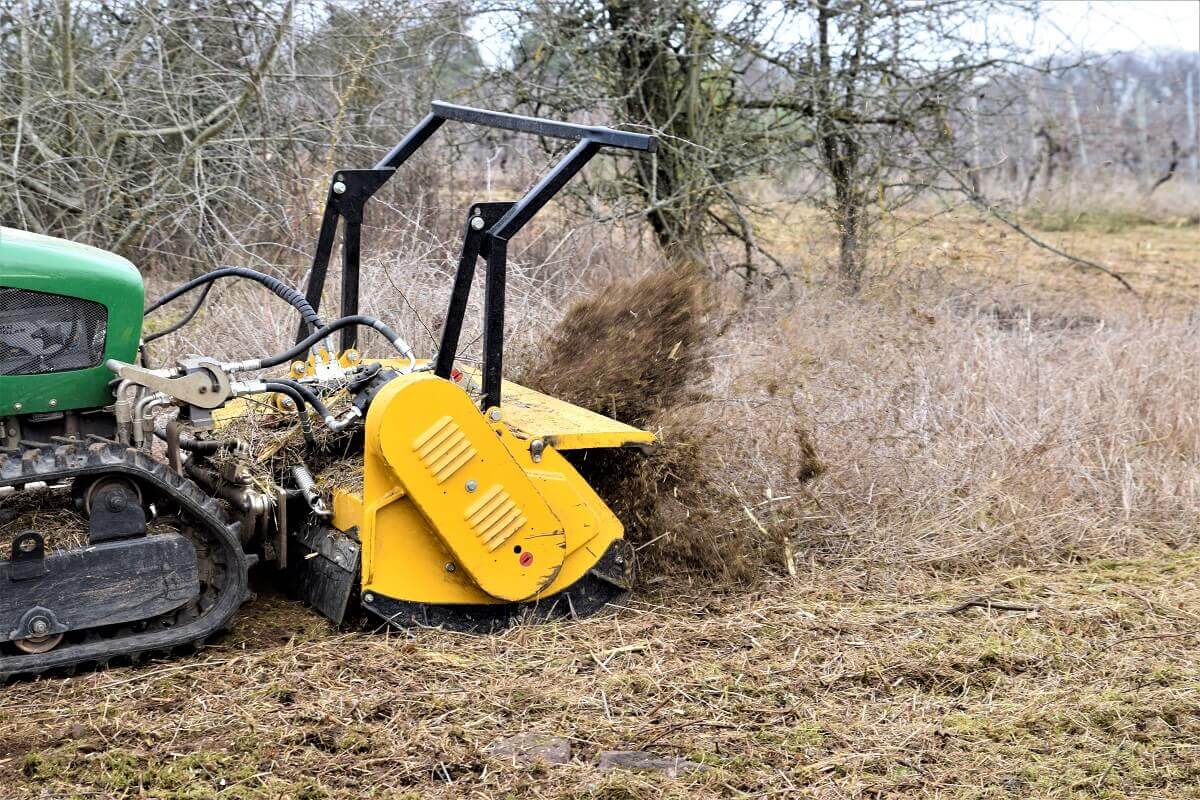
{"x": 56, "y": 463}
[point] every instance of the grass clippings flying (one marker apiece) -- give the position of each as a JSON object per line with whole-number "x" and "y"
{"x": 640, "y": 352}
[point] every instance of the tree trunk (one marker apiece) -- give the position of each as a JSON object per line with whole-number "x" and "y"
{"x": 642, "y": 29}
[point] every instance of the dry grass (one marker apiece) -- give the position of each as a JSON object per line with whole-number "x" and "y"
{"x": 992, "y": 422}
{"x": 50, "y": 513}
{"x": 827, "y": 687}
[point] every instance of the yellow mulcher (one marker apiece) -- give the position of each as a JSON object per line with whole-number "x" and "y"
{"x": 419, "y": 492}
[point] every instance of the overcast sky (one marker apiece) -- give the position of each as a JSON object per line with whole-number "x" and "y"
{"x": 1062, "y": 27}
{"x": 1111, "y": 25}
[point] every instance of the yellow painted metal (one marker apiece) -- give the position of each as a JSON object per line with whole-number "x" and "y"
{"x": 533, "y": 415}
{"x": 308, "y": 367}
{"x": 453, "y": 468}
{"x": 426, "y": 538}
{"x": 569, "y": 427}
{"x": 454, "y": 546}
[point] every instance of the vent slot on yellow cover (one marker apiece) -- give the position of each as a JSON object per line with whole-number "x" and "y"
{"x": 443, "y": 448}
{"x": 495, "y": 518}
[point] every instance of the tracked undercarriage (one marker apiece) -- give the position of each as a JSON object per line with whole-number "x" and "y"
{"x": 129, "y": 594}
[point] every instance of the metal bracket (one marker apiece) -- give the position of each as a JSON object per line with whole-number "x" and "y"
{"x": 352, "y": 188}
{"x": 28, "y": 559}
{"x": 348, "y": 194}
{"x": 114, "y": 511}
{"x": 38, "y": 621}
{"x": 205, "y": 385}
{"x": 476, "y": 243}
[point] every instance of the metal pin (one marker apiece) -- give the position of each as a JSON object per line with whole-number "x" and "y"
{"x": 339, "y": 187}
{"x": 477, "y": 223}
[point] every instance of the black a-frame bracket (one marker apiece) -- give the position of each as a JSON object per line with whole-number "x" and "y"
{"x": 349, "y": 192}
{"x": 489, "y": 227}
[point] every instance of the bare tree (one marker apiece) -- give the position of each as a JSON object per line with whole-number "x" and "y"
{"x": 181, "y": 129}
{"x": 858, "y": 90}
{"x": 680, "y": 68}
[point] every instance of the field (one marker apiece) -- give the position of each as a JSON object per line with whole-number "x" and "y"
{"x": 991, "y": 590}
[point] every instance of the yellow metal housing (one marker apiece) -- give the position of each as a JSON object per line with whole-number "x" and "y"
{"x": 460, "y": 508}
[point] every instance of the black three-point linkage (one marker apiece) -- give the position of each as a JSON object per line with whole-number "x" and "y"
{"x": 489, "y": 228}
{"x": 348, "y": 195}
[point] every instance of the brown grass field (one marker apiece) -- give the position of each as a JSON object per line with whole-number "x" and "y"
{"x": 991, "y": 591}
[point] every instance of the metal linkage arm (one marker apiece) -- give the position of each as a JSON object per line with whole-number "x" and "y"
{"x": 544, "y": 127}
{"x": 490, "y": 226}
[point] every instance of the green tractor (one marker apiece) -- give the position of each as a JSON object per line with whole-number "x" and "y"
{"x": 467, "y": 515}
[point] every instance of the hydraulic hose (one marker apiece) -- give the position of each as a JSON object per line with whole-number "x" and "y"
{"x": 301, "y": 412}
{"x": 281, "y": 289}
{"x": 301, "y": 347}
{"x": 308, "y": 395}
{"x": 206, "y": 446}
{"x": 195, "y": 309}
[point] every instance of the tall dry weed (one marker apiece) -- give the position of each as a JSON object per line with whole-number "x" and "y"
{"x": 956, "y": 429}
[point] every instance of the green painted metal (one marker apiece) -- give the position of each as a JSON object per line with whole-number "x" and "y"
{"x": 45, "y": 264}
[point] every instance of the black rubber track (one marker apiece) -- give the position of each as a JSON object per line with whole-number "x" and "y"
{"x": 213, "y": 535}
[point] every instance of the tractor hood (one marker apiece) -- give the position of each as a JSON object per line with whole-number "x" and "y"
{"x": 65, "y": 308}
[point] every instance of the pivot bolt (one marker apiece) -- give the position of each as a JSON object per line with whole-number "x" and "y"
{"x": 352, "y": 355}
{"x": 368, "y": 598}
{"x": 339, "y": 187}
{"x": 39, "y": 626}
{"x": 472, "y": 485}
{"x": 116, "y": 502}
{"x": 476, "y": 223}
{"x": 494, "y": 414}
{"x": 298, "y": 367}
{"x": 450, "y": 566}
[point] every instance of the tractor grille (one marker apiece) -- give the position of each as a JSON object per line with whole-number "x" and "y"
{"x": 42, "y": 332}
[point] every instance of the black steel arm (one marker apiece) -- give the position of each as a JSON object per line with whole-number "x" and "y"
{"x": 544, "y": 127}
{"x": 489, "y": 226}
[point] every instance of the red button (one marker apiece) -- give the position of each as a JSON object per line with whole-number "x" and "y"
{"x": 526, "y": 559}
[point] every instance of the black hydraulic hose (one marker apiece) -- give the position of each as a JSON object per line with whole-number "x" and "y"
{"x": 281, "y": 289}
{"x": 301, "y": 411}
{"x": 186, "y": 317}
{"x": 301, "y": 347}
{"x": 206, "y": 446}
{"x": 308, "y": 395}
